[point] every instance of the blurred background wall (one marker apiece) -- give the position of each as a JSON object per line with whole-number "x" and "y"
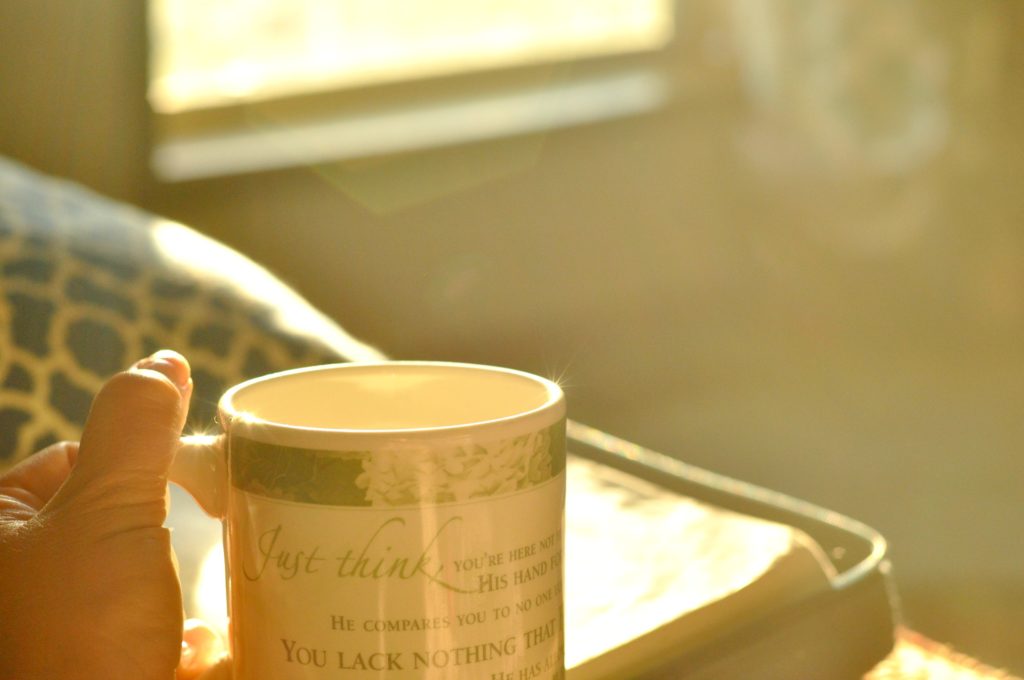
{"x": 805, "y": 268}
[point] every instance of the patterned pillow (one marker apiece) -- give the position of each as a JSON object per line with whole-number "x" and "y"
{"x": 88, "y": 285}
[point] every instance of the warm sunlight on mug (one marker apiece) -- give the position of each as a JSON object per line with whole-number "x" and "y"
{"x": 401, "y": 519}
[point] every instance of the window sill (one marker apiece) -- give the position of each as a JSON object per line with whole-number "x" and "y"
{"x": 256, "y": 138}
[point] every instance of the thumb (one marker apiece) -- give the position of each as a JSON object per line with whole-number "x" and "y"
{"x": 131, "y": 436}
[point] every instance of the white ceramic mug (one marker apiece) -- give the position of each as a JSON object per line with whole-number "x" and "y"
{"x": 398, "y": 519}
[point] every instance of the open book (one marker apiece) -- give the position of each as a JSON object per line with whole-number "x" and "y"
{"x": 651, "y": 574}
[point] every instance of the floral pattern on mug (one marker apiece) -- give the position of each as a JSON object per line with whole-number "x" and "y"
{"x": 396, "y": 478}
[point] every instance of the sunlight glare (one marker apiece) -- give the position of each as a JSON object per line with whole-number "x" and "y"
{"x": 208, "y": 54}
{"x": 209, "y": 599}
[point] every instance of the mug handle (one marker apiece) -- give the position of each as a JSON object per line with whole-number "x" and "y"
{"x": 199, "y": 468}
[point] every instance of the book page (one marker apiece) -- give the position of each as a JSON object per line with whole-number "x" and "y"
{"x": 649, "y": 570}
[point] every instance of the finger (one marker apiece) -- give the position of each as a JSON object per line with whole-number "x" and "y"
{"x": 201, "y": 649}
{"x": 177, "y": 369}
{"x": 30, "y": 484}
{"x": 130, "y": 437}
{"x": 222, "y": 671}
{"x": 133, "y": 427}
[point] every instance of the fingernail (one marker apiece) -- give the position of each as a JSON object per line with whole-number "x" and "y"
{"x": 171, "y": 364}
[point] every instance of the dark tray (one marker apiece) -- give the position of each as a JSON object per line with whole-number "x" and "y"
{"x": 839, "y": 634}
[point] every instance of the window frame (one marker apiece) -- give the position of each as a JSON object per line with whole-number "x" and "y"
{"x": 203, "y": 142}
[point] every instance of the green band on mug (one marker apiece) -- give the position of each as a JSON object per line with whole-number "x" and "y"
{"x": 393, "y": 478}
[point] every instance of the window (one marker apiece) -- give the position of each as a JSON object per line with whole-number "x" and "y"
{"x": 216, "y": 57}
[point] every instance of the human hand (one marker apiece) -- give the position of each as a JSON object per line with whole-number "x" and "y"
{"x": 88, "y": 580}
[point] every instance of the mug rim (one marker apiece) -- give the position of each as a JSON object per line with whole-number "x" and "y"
{"x": 550, "y": 412}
